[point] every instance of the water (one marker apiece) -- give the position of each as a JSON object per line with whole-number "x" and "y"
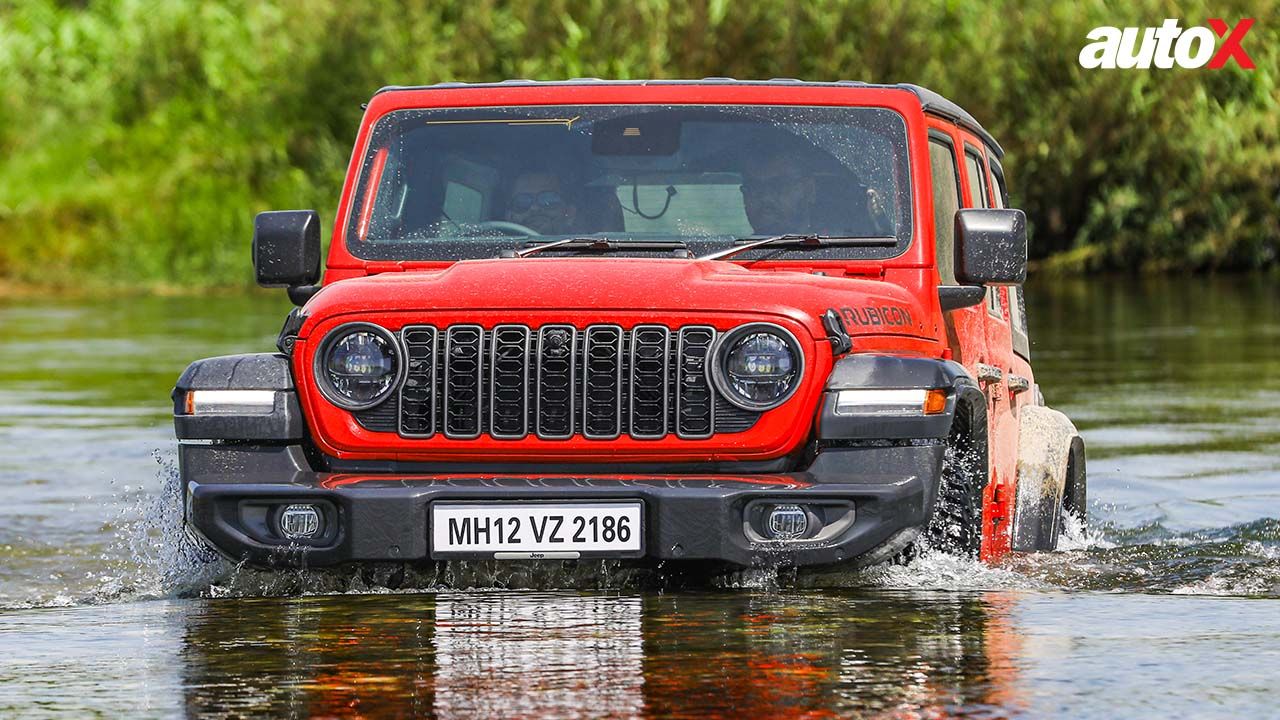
{"x": 1169, "y": 603}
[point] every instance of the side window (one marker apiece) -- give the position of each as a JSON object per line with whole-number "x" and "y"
{"x": 1018, "y": 322}
{"x": 993, "y": 303}
{"x": 980, "y": 191}
{"x": 1017, "y": 298}
{"x": 997, "y": 184}
{"x": 977, "y": 179}
{"x": 946, "y": 201}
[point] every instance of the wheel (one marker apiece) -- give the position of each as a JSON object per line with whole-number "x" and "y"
{"x": 1053, "y": 512}
{"x": 1075, "y": 496}
{"x": 956, "y": 525}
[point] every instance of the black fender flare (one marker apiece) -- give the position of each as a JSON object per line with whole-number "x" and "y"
{"x": 254, "y": 371}
{"x": 1049, "y": 449}
{"x": 869, "y": 370}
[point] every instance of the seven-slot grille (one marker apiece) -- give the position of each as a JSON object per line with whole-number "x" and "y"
{"x": 557, "y": 381}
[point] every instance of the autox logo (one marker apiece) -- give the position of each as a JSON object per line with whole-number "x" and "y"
{"x": 1166, "y": 46}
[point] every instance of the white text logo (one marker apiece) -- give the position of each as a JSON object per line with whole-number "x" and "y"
{"x": 1166, "y": 46}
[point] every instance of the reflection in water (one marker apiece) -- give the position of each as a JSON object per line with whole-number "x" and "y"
{"x": 817, "y": 655}
{"x": 569, "y": 654}
{"x": 878, "y": 654}
{"x": 552, "y": 655}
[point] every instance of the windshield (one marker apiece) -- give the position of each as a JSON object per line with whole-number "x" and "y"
{"x": 448, "y": 184}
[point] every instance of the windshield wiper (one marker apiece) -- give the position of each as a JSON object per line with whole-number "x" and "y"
{"x": 801, "y": 240}
{"x": 599, "y": 245}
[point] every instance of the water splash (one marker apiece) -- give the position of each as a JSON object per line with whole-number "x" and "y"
{"x": 151, "y": 556}
{"x": 1077, "y": 535}
{"x": 168, "y": 562}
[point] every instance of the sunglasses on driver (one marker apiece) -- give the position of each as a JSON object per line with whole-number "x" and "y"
{"x": 545, "y": 200}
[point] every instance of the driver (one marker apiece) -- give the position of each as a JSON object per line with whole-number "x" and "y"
{"x": 780, "y": 194}
{"x": 538, "y": 202}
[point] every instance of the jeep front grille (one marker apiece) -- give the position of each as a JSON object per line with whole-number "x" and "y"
{"x": 557, "y": 381}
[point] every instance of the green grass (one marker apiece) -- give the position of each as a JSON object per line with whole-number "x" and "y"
{"x": 138, "y": 139}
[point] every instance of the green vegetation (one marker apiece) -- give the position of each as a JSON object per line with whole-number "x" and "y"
{"x": 137, "y": 139}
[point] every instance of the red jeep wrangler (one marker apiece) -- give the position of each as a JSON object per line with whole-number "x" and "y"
{"x": 747, "y": 322}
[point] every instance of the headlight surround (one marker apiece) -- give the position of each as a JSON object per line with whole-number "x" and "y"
{"x": 358, "y": 366}
{"x": 757, "y": 366}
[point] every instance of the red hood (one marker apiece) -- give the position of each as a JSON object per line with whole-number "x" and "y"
{"x": 634, "y": 285}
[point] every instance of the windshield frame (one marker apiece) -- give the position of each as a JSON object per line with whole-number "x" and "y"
{"x": 908, "y": 217}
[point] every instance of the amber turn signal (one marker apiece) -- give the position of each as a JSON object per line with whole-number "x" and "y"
{"x": 935, "y": 401}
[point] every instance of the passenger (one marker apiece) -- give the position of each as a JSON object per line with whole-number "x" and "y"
{"x": 538, "y": 201}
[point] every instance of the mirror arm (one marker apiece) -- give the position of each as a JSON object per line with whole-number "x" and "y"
{"x": 300, "y": 294}
{"x": 954, "y": 297}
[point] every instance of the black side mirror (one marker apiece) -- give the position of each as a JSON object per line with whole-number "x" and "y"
{"x": 991, "y": 246}
{"x": 286, "y": 248}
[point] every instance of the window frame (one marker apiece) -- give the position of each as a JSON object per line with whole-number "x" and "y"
{"x": 980, "y": 192}
{"x": 1016, "y": 294}
{"x": 947, "y": 271}
{"x": 994, "y": 304}
{"x": 972, "y": 153}
{"x": 362, "y": 199}
{"x": 998, "y": 182}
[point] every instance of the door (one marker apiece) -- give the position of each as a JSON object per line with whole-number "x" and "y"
{"x": 993, "y": 372}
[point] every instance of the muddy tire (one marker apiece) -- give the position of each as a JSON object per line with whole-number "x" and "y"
{"x": 1074, "y": 498}
{"x": 956, "y": 525}
{"x": 1075, "y": 495}
{"x": 1072, "y": 502}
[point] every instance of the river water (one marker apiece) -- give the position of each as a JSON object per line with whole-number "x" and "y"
{"x": 1168, "y": 604}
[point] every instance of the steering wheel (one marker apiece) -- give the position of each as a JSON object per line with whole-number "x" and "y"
{"x": 505, "y": 227}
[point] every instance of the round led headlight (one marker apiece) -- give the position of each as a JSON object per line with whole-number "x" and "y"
{"x": 358, "y": 366}
{"x": 757, "y": 366}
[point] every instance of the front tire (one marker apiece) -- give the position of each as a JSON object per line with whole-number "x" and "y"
{"x": 956, "y": 524}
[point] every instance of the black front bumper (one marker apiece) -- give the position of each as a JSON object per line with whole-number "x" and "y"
{"x": 232, "y": 491}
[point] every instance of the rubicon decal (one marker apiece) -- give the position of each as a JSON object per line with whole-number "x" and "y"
{"x": 870, "y": 316}
{"x": 1166, "y": 46}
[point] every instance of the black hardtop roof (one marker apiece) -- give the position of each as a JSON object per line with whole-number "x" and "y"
{"x": 930, "y": 101}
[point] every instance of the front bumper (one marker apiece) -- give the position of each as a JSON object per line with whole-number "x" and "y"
{"x": 230, "y": 491}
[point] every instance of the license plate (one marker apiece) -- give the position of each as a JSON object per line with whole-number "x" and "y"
{"x": 511, "y": 531}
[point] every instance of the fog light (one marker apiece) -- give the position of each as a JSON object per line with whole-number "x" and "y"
{"x": 299, "y": 521}
{"x": 786, "y": 522}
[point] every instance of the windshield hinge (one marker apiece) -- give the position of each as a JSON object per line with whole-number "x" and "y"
{"x": 837, "y": 334}
{"x": 373, "y": 268}
{"x": 875, "y": 272}
{"x": 289, "y": 332}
